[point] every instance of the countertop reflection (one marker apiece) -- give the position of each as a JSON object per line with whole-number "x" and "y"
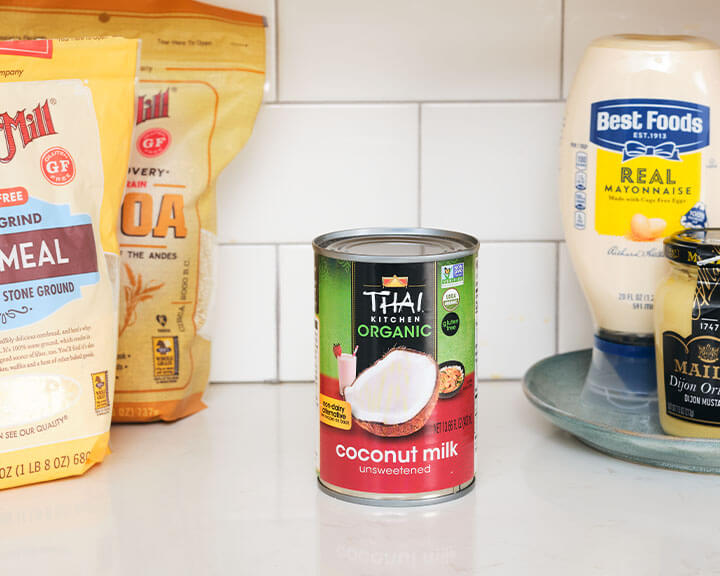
{"x": 232, "y": 490}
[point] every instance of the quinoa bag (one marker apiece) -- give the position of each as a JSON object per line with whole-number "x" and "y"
{"x": 66, "y": 109}
{"x": 201, "y": 80}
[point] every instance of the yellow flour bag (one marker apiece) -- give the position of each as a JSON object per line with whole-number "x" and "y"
{"x": 66, "y": 110}
{"x": 201, "y": 80}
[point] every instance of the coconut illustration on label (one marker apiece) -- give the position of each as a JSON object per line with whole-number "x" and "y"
{"x": 396, "y": 395}
{"x": 638, "y": 163}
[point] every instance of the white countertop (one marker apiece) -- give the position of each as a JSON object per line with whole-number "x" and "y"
{"x": 232, "y": 490}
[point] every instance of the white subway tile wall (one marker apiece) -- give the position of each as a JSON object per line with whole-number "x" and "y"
{"x": 297, "y": 297}
{"x": 405, "y": 113}
{"x": 244, "y": 315}
{"x": 480, "y": 177}
{"x": 516, "y": 307}
{"x": 575, "y": 325}
{"x": 310, "y": 168}
{"x": 418, "y": 50}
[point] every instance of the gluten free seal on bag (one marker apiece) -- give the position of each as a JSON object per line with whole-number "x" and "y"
{"x": 65, "y": 124}
{"x": 200, "y": 87}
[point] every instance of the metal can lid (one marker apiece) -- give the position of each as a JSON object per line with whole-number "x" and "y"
{"x": 695, "y": 246}
{"x": 390, "y": 245}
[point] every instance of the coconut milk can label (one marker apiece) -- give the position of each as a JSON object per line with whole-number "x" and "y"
{"x": 396, "y": 389}
{"x": 648, "y": 166}
{"x": 692, "y": 364}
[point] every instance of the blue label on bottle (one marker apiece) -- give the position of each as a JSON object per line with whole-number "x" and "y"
{"x": 649, "y": 127}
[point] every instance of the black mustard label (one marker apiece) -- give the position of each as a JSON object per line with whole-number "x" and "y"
{"x": 692, "y": 364}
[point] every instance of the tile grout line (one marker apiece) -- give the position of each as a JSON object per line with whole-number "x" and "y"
{"x": 509, "y": 380}
{"x": 483, "y": 240}
{"x": 279, "y": 102}
{"x": 562, "y": 46}
{"x": 419, "y": 170}
{"x": 277, "y": 314}
{"x": 557, "y": 298}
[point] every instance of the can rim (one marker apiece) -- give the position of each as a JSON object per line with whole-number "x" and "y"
{"x": 401, "y": 500}
{"x": 321, "y": 243}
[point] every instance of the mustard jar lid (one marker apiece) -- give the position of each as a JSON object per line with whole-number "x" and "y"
{"x": 694, "y": 247}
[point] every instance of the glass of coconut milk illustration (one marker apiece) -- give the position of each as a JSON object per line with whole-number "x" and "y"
{"x": 347, "y": 367}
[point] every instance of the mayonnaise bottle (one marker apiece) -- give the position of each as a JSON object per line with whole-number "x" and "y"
{"x": 639, "y": 161}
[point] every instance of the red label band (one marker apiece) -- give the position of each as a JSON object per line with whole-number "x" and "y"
{"x": 13, "y": 196}
{"x": 439, "y": 456}
{"x": 30, "y": 48}
{"x": 46, "y": 253}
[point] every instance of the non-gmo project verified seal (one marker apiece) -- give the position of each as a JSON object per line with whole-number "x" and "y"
{"x": 452, "y": 275}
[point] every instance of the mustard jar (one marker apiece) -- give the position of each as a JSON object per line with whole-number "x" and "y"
{"x": 687, "y": 335}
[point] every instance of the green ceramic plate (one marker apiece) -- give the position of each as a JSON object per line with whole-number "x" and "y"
{"x": 554, "y": 385}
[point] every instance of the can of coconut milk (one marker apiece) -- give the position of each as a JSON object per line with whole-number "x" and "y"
{"x": 395, "y": 317}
